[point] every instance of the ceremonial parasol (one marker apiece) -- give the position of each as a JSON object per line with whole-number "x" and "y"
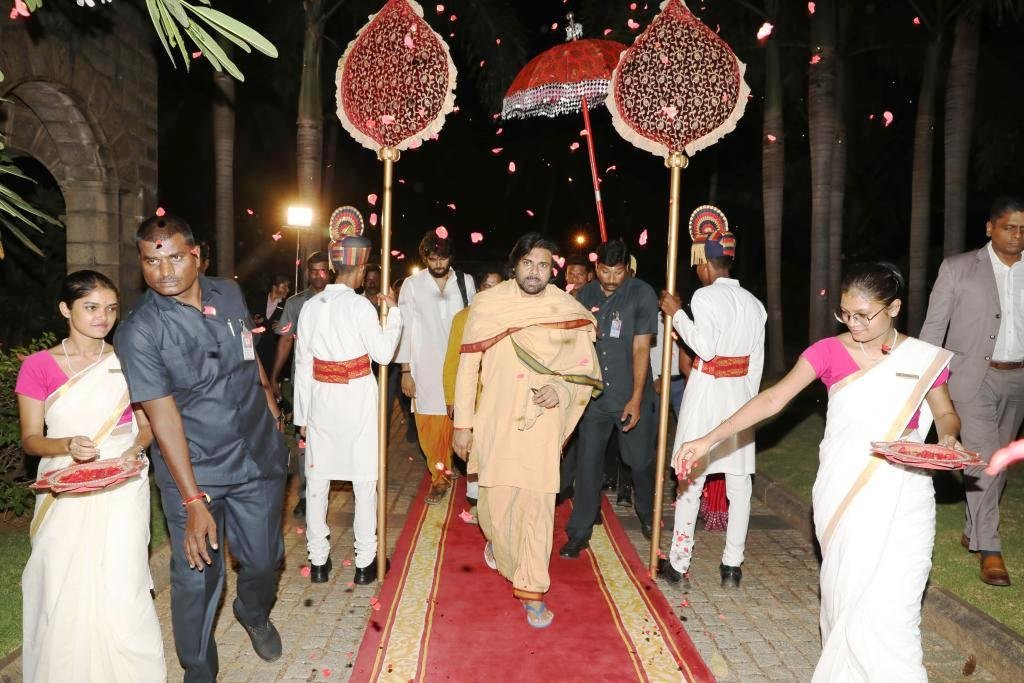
{"x": 678, "y": 89}
{"x": 567, "y": 78}
{"x": 395, "y": 86}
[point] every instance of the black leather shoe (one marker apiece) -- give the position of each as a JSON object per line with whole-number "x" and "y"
{"x": 624, "y": 498}
{"x": 609, "y": 484}
{"x": 646, "y": 530}
{"x": 300, "y": 508}
{"x": 730, "y": 576}
{"x": 573, "y": 548}
{"x": 472, "y": 501}
{"x": 319, "y": 573}
{"x": 266, "y": 641}
{"x": 669, "y": 573}
{"x": 368, "y": 574}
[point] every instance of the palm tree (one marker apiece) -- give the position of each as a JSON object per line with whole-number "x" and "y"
{"x": 821, "y": 106}
{"x": 224, "y": 171}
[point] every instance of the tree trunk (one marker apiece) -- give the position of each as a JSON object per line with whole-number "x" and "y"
{"x": 773, "y": 167}
{"x": 960, "y": 88}
{"x": 309, "y": 133}
{"x": 224, "y": 171}
{"x": 837, "y": 195}
{"x": 821, "y": 86}
{"x": 921, "y": 188}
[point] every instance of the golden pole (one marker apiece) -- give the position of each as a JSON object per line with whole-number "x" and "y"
{"x": 675, "y": 162}
{"x": 389, "y": 156}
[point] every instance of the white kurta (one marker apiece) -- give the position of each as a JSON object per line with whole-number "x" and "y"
{"x": 341, "y": 419}
{"x": 428, "y": 321}
{"x": 727, "y": 321}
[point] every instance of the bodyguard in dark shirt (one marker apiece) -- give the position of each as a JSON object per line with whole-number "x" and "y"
{"x": 627, "y": 320}
{"x": 219, "y": 460}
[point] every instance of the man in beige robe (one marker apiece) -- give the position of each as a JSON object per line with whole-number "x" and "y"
{"x": 530, "y": 345}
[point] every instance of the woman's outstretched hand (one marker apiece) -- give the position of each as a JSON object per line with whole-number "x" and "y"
{"x": 686, "y": 458}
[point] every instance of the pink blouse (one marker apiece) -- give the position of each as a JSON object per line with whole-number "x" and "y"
{"x": 40, "y": 375}
{"x": 832, "y": 362}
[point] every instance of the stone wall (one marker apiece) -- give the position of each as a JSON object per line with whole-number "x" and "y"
{"x": 81, "y": 91}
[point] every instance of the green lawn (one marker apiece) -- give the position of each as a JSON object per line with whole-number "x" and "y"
{"x": 788, "y": 453}
{"x": 15, "y": 548}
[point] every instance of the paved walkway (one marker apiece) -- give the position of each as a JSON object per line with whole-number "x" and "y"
{"x": 766, "y": 630}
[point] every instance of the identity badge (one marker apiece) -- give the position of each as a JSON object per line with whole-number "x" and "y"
{"x": 248, "y": 350}
{"x": 616, "y": 325}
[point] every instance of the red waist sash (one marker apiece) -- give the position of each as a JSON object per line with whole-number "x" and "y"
{"x": 725, "y": 366}
{"x": 340, "y": 371}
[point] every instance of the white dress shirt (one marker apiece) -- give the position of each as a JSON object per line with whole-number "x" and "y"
{"x": 1010, "y": 285}
{"x": 656, "y": 351}
{"x": 428, "y": 314}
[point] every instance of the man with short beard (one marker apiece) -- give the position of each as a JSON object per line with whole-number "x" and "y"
{"x": 371, "y": 283}
{"x": 429, "y": 301}
{"x": 219, "y": 459}
{"x": 530, "y": 346}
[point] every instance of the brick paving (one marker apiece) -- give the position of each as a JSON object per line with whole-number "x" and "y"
{"x": 767, "y": 630}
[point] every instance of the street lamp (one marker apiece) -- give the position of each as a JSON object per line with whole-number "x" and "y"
{"x": 581, "y": 239}
{"x": 298, "y": 218}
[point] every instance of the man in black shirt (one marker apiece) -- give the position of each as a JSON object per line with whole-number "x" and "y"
{"x": 627, "y": 319}
{"x": 219, "y": 459}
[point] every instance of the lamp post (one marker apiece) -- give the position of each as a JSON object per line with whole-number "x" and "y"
{"x": 298, "y": 218}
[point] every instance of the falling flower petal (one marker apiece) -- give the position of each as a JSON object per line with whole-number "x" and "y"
{"x": 574, "y": 146}
{"x": 529, "y": 213}
{"x": 511, "y": 167}
{"x": 497, "y": 41}
{"x": 326, "y": 673}
{"x": 160, "y": 211}
{"x": 643, "y": 238}
{"x": 299, "y": 531}
{"x": 606, "y": 31}
{"x": 346, "y": 563}
{"x": 810, "y": 8}
{"x": 632, "y": 7}
{"x": 466, "y": 517}
{"x": 499, "y": 131}
{"x": 632, "y": 25}
{"x": 451, "y": 206}
{"x": 407, "y": 41}
{"x": 771, "y": 138}
{"x": 277, "y": 235}
{"x": 917, "y": 21}
{"x": 373, "y": 219}
{"x": 197, "y": 54}
{"x": 305, "y": 571}
{"x": 611, "y": 168}
{"x": 285, "y": 329}
{"x": 592, "y": 256}
{"x": 387, "y": 119}
{"x": 822, "y": 292}
{"x": 482, "y": 62}
{"x": 440, "y": 9}
{"x": 452, "y": 18}
{"x": 439, "y": 466}
{"x": 497, "y": 150}
{"x": 20, "y": 9}
{"x": 441, "y": 232}
{"x": 765, "y": 31}
{"x": 559, "y": 260}
{"x": 395, "y": 252}
{"x": 815, "y": 59}
{"x": 372, "y": 199}
{"x": 887, "y": 115}
{"x": 209, "y": 310}
{"x": 554, "y": 26}
{"x": 259, "y": 330}
{"x": 476, "y": 237}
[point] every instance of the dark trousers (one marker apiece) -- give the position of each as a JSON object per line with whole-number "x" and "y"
{"x": 637, "y": 449}
{"x": 249, "y": 515}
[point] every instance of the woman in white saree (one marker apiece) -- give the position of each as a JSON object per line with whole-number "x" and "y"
{"x": 87, "y": 610}
{"x": 875, "y": 520}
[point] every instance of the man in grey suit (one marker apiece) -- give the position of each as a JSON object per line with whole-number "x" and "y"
{"x": 976, "y": 310}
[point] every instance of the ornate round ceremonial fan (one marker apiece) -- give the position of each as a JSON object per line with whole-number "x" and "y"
{"x": 396, "y": 80}
{"x": 927, "y": 456}
{"x": 89, "y": 476}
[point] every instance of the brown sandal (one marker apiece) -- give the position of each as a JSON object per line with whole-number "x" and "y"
{"x": 436, "y": 495}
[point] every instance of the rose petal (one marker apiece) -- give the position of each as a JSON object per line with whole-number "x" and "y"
{"x": 476, "y": 237}
{"x": 373, "y": 219}
{"x": 160, "y": 211}
{"x": 643, "y": 238}
{"x": 372, "y": 199}
{"x": 888, "y": 117}
{"x": 441, "y": 232}
{"x": 765, "y": 31}
{"x": 511, "y": 167}
{"x": 810, "y": 8}
{"x": 387, "y": 119}
{"x": 305, "y": 571}
{"x": 277, "y": 236}
{"x": 574, "y": 146}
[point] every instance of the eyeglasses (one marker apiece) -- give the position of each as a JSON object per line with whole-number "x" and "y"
{"x": 856, "y": 318}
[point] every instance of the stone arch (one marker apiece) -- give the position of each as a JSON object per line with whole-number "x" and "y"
{"x": 45, "y": 122}
{"x": 83, "y": 101}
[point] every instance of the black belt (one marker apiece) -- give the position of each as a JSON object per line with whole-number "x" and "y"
{"x": 1006, "y": 364}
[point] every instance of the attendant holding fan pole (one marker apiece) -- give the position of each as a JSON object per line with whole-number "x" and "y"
{"x": 874, "y": 520}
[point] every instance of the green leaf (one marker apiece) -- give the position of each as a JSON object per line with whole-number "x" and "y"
{"x": 17, "y": 207}
{"x": 176, "y": 10}
{"x": 173, "y": 34}
{"x": 214, "y": 50}
{"x": 228, "y": 24}
{"x": 154, "y": 16}
{"x": 22, "y": 237}
{"x": 14, "y": 171}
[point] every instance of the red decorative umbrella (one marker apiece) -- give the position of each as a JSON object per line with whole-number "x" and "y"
{"x": 678, "y": 89}
{"x": 396, "y": 85}
{"x": 567, "y": 78}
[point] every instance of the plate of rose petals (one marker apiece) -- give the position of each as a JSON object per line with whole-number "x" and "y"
{"x": 927, "y": 456}
{"x": 89, "y": 476}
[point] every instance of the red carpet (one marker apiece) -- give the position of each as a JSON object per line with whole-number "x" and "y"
{"x": 443, "y": 615}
